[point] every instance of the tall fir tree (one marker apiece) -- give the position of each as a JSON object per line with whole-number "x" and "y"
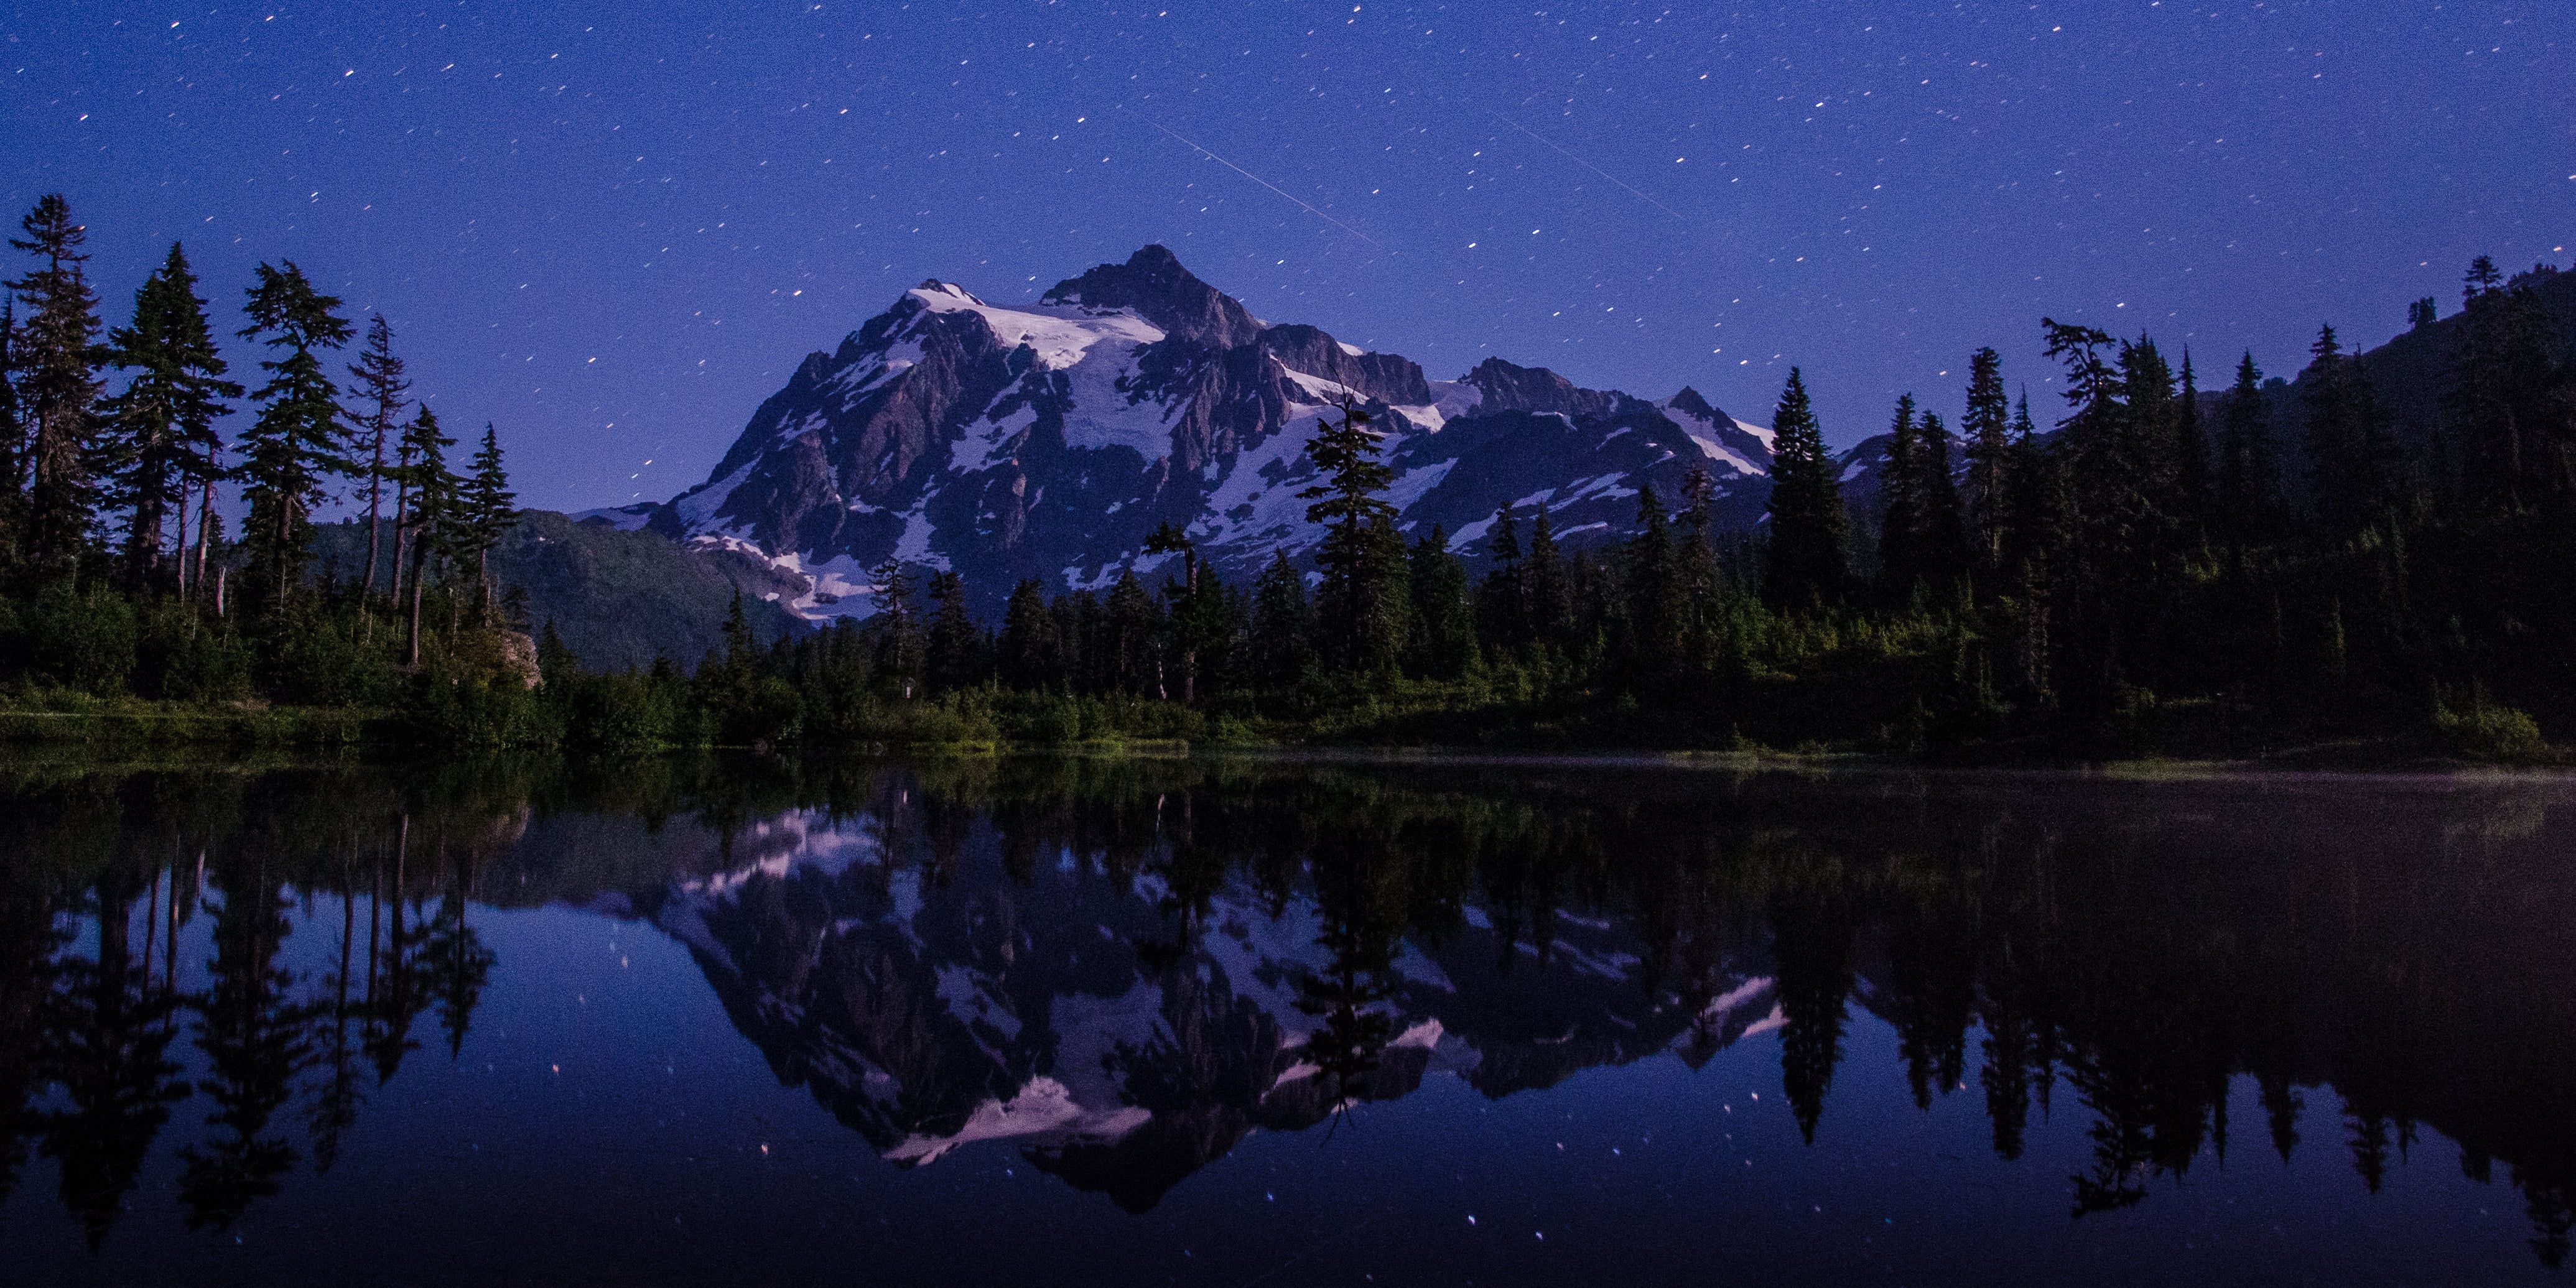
{"x": 1695, "y": 561}
{"x": 1809, "y": 562}
{"x": 375, "y": 423}
{"x": 1443, "y": 646}
{"x": 289, "y": 454}
{"x": 1944, "y": 552}
{"x": 1032, "y": 653}
{"x": 1282, "y": 625}
{"x": 13, "y": 436}
{"x": 430, "y": 514}
{"x": 2150, "y": 440}
{"x": 1502, "y": 606}
{"x": 2248, "y": 487}
{"x": 2191, "y": 450}
{"x": 57, "y": 356}
{"x": 2346, "y": 440}
{"x": 1131, "y": 645}
{"x": 1201, "y": 607}
{"x": 1900, "y": 502}
{"x": 489, "y": 510}
{"x": 1988, "y": 429}
{"x": 2107, "y": 501}
{"x": 1651, "y": 583}
{"x": 1548, "y": 591}
{"x": 162, "y": 443}
{"x": 952, "y": 648}
{"x": 896, "y": 627}
{"x": 2036, "y": 539}
{"x": 2509, "y": 406}
{"x": 1348, "y": 504}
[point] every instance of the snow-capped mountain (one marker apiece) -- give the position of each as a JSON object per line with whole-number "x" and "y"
{"x": 1048, "y": 439}
{"x": 1069, "y": 1008}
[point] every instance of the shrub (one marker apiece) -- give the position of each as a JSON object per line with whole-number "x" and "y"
{"x": 2501, "y": 733}
{"x": 328, "y": 660}
{"x": 72, "y": 637}
{"x": 448, "y": 712}
{"x": 185, "y": 657}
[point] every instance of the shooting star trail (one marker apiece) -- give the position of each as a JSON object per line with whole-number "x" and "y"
{"x": 1257, "y": 178}
{"x": 1589, "y": 166}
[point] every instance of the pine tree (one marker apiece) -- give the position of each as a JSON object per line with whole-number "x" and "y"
{"x": 2191, "y": 449}
{"x": 1988, "y": 430}
{"x": 1550, "y": 595}
{"x": 1944, "y": 556}
{"x": 431, "y": 511}
{"x": 953, "y": 655}
{"x": 2108, "y": 505}
{"x": 1386, "y": 622}
{"x": 1502, "y": 606}
{"x": 741, "y": 646}
{"x": 162, "y": 427}
{"x": 1032, "y": 650}
{"x": 1444, "y": 625}
{"x": 1348, "y": 504}
{"x": 1201, "y": 607}
{"x": 2249, "y": 486}
{"x": 1695, "y": 562}
{"x": 1809, "y": 560}
{"x": 1282, "y": 625}
{"x": 57, "y": 356}
{"x": 1132, "y": 648}
{"x": 13, "y": 436}
{"x": 1652, "y": 583}
{"x": 897, "y": 629}
{"x": 201, "y": 388}
{"x": 2159, "y": 520}
{"x": 1900, "y": 496}
{"x": 2509, "y": 412}
{"x": 489, "y": 510}
{"x": 2345, "y": 440}
{"x": 2035, "y": 546}
{"x": 2481, "y": 279}
{"x": 291, "y": 451}
{"x": 377, "y": 379}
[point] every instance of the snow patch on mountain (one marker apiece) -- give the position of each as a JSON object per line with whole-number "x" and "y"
{"x": 1043, "y": 1108}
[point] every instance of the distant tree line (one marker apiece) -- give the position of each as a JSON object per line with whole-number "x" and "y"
{"x": 117, "y": 572}
{"x": 2157, "y": 568}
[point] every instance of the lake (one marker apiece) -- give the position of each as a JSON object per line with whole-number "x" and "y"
{"x": 1248, "y": 1020}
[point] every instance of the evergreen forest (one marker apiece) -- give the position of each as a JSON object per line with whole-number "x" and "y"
{"x": 2149, "y": 566}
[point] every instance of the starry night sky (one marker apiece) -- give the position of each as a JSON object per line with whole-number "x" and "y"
{"x": 613, "y": 228}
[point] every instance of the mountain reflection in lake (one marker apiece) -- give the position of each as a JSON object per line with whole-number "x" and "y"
{"x": 1117, "y": 1020}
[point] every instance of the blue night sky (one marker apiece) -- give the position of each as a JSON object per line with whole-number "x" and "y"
{"x": 613, "y": 228}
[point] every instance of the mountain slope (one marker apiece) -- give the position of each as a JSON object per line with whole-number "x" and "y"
{"x": 617, "y": 598}
{"x": 1046, "y": 441}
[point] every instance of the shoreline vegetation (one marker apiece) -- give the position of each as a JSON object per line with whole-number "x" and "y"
{"x": 2158, "y": 578}
{"x": 40, "y": 725}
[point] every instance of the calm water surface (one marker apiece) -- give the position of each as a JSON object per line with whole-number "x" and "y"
{"x": 1244, "y": 1021}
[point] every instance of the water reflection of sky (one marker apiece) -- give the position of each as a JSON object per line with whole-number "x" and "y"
{"x": 606, "y": 1118}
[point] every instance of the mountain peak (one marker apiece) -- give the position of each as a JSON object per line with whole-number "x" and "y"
{"x": 1048, "y": 441}
{"x": 1690, "y": 401}
{"x": 1153, "y": 284}
{"x": 1536, "y": 389}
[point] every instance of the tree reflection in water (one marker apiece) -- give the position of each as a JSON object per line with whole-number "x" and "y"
{"x": 1272, "y": 944}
